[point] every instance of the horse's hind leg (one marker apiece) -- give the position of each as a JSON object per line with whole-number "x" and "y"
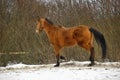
{"x": 89, "y": 47}
{"x": 92, "y": 56}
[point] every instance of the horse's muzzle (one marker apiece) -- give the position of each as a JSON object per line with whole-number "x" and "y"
{"x": 37, "y": 31}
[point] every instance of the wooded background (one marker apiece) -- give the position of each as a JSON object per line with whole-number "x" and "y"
{"x": 20, "y": 43}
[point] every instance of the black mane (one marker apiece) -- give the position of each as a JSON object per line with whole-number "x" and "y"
{"x": 50, "y": 22}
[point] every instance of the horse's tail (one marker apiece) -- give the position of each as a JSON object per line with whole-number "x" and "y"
{"x": 100, "y": 40}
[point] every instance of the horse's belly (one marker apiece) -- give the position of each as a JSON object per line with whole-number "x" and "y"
{"x": 69, "y": 42}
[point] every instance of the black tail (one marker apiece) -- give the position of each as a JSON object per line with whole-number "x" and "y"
{"x": 100, "y": 40}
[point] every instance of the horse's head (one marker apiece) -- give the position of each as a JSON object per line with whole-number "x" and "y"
{"x": 40, "y": 25}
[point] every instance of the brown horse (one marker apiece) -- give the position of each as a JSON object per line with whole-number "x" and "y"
{"x": 81, "y": 35}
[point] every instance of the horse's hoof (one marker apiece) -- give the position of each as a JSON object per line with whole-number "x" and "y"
{"x": 62, "y": 57}
{"x": 57, "y": 65}
{"x": 91, "y": 64}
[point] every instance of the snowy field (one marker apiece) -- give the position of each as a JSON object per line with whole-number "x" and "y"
{"x": 72, "y": 70}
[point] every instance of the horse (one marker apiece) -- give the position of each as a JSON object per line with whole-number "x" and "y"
{"x": 60, "y": 36}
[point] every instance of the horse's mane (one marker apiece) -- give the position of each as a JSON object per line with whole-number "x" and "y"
{"x": 50, "y": 22}
{"x": 60, "y": 26}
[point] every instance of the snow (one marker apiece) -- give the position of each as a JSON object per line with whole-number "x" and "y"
{"x": 72, "y": 70}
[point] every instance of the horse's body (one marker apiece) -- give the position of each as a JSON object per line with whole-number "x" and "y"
{"x": 81, "y": 35}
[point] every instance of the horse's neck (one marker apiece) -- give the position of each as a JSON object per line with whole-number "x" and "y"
{"x": 50, "y": 30}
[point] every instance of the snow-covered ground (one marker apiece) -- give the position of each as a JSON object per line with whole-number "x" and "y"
{"x": 72, "y": 70}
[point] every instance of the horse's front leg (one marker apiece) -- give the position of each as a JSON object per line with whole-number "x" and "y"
{"x": 57, "y": 54}
{"x": 57, "y": 62}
